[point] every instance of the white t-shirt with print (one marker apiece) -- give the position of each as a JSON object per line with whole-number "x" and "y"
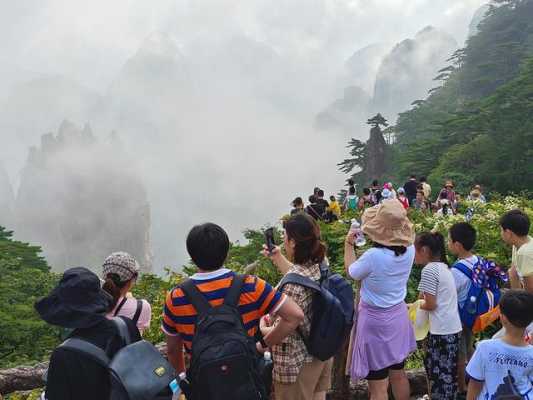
{"x": 437, "y": 280}
{"x": 383, "y": 276}
{"x": 505, "y": 369}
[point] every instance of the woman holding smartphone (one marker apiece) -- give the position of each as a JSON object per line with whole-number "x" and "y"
{"x": 297, "y": 374}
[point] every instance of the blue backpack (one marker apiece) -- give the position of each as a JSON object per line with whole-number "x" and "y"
{"x": 333, "y": 311}
{"x": 478, "y": 311}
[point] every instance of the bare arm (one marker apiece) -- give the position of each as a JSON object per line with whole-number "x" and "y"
{"x": 514, "y": 278}
{"x": 349, "y": 252}
{"x": 429, "y": 303}
{"x": 474, "y": 389}
{"x": 291, "y": 316}
{"x": 528, "y": 284}
{"x": 175, "y": 353}
{"x": 278, "y": 259}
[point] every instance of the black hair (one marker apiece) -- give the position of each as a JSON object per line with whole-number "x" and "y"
{"x": 208, "y": 246}
{"x": 412, "y": 177}
{"x": 312, "y": 199}
{"x": 398, "y": 250}
{"x": 113, "y": 285}
{"x": 315, "y": 190}
{"x": 352, "y": 190}
{"x": 366, "y": 191}
{"x": 516, "y": 221}
{"x": 351, "y": 182}
{"x": 517, "y": 306}
{"x": 422, "y": 179}
{"x": 435, "y": 243}
{"x": 297, "y": 202}
{"x": 320, "y": 193}
{"x": 378, "y": 195}
{"x": 463, "y": 233}
{"x": 305, "y": 232}
{"x": 375, "y": 182}
{"x": 332, "y": 198}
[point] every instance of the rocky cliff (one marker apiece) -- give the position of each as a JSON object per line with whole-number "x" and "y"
{"x": 80, "y": 199}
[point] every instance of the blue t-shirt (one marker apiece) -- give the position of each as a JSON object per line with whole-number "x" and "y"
{"x": 505, "y": 370}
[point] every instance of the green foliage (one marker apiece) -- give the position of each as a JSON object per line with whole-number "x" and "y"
{"x": 25, "y": 278}
{"x": 476, "y": 127}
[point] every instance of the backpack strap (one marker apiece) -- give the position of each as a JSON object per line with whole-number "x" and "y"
{"x": 464, "y": 269}
{"x": 138, "y": 311}
{"x": 120, "y": 306}
{"x": 122, "y": 329}
{"x": 298, "y": 279}
{"x": 196, "y": 297}
{"x": 234, "y": 291}
{"x": 88, "y": 349}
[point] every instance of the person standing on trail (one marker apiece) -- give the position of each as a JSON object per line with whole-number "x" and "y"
{"x": 384, "y": 336}
{"x": 410, "y": 187}
{"x": 426, "y": 188}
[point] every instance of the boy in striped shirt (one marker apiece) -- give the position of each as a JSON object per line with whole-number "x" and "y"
{"x": 208, "y": 247}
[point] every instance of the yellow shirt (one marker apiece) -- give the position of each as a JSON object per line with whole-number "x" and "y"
{"x": 523, "y": 259}
{"x": 335, "y": 208}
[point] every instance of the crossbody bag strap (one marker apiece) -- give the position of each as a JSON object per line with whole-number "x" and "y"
{"x": 120, "y": 306}
{"x": 138, "y": 311}
{"x": 197, "y": 299}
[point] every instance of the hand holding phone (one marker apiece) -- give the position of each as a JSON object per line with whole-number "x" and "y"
{"x": 269, "y": 239}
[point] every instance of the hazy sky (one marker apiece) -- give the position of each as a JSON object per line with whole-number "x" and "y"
{"x": 89, "y": 41}
{"x": 246, "y": 150}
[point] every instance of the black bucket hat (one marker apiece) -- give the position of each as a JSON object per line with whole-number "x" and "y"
{"x": 78, "y": 301}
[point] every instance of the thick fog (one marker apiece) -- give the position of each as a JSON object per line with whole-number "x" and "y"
{"x": 226, "y": 109}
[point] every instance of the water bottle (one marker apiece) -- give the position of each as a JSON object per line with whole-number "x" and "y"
{"x": 175, "y": 388}
{"x": 359, "y": 236}
{"x": 471, "y": 306}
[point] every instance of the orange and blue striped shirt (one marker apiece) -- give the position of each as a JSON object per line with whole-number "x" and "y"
{"x": 257, "y": 299}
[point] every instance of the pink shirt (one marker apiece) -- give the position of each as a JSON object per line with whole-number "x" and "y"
{"x": 128, "y": 310}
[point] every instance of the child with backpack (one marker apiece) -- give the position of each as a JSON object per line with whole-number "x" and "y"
{"x": 437, "y": 289}
{"x": 302, "y": 370}
{"x": 120, "y": 271}
{"x": 351, "y": 200}
{"x": 503, "y": 368}
{"x": 461, "y": 242}
{"x": 215, "y": 316}
{"x": 79, "y": 303}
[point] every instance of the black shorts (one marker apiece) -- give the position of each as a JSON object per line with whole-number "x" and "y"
{"x": 384, "y": 373}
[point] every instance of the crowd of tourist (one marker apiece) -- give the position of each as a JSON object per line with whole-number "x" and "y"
{"x": 277, "y": 322}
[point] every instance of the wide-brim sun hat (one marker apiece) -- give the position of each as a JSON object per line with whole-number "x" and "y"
{"x": 78, "y": 301}
{"x": 388, "y": 225}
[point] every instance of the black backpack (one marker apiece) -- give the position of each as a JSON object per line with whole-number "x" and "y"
{"x": 225, "y": 363}
{"x": 333, "y": 311}
{"x": 137, "y": 371}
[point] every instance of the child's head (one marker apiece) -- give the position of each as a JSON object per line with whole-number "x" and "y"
{"x": 332, "y": 198}
{"x": 514, "y": 225}
{"x": 461, "y": 238}
{"x": 430, "y": 247}
{"x": 420, "y": 195}
{"x": 208, "y": 246}
{"x": 516, "y": 307}
{"x": 298, "y": 203}
{"x": 352, "y": 190}
{"x": 320, "y": 194}
{"x": 401, "y": 191}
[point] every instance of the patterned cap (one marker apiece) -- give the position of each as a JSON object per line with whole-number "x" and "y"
{"x": 122, "y": 264}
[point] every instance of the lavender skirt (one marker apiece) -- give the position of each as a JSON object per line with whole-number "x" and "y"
{"x": 383, "y": 337}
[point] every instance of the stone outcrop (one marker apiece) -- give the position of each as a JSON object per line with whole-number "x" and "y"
{"x": 81, "y": 199}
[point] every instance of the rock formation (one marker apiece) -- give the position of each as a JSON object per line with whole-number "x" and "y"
{"x": 6, "y": 198}
{"x": 81, "y": 199}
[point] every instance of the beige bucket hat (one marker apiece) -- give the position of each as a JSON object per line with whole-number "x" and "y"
{"x": 387, "y": 224}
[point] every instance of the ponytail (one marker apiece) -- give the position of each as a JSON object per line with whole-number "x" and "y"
{"x": 113, "y": 286}
{"x": 434, "y": 241}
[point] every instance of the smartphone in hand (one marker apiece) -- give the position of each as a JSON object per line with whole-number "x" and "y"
{"x": 269, "y": 239}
